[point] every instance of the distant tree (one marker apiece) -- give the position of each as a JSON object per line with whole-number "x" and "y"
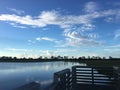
{"x": 45, "y": 58}
{"x": 93, "y": 57}
{"x": 88, "y": 57}
{"x": 79, "y": 58}
{"x": 73, "y": 57}
{"x": 52, "y": 57}
{"x": 83, "y": 57}
{"x": 58, "y": 57}
{"x": 110, "y": 57}
{"x": 98, "y": 57}
{"x": 65, "y": 57}
{"x": 14, "y": 58}
{"x": 104, "y": 57}
{"x": 40, "y": 57}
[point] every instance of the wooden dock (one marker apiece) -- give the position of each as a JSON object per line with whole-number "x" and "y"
{"x": 86, "y": 78}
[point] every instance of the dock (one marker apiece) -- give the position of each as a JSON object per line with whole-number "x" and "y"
{"x": 86, "y": 78}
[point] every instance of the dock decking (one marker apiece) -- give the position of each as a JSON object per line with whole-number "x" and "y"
{"x": 87, "y": 78}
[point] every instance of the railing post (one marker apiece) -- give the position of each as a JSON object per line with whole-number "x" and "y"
{"x": 118, "y": 79}
{"x": 56, "y": 80}
{"x": 92, "y": 76}
{"x": 73, "y": 76}
{"x": 61, "y": 79}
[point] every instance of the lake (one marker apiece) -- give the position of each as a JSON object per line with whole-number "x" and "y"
{"x": 13, "y": 75}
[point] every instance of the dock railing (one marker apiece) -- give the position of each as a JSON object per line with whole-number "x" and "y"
{"x": 104, "y": 76}
{"x": 92, "y": 75}
{"x": 117, "y": 71}
{"x": 62, "y": 80}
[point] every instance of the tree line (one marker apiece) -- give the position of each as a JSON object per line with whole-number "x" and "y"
{"x": 52, "y": 58}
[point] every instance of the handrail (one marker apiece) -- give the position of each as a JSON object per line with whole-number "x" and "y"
{"x": 62, "y": 80}
{"x": 67, "y": 80}
{"x": 94, "y": 76}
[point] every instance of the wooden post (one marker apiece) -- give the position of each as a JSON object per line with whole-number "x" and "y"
{"x": 60, "y": 79}
{"x": 92, "y": 75}
{"x": 56, "y": 78}
{"x": 73, "y": 76}
{"x": 118, "y": 79}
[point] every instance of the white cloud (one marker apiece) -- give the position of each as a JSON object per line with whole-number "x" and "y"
{"x": 55, "y": 18}
{"x": 91, "y": 7}
{"x": 38, "y": 39}
{"x": 19, "y": 12}
{"x": 49, "y": 17}
{"x": 109, "y": 19}
{"x": 45, "y": 38}
{"x": 16, "y": 49}
{"x": 78, "y": 29}
{"x": 82, "y": 42}
{"x": 24, "y": 20}
{"x": 49, "y": 53}
{"x": 17, "y": 26}
{"x": 31, "y": 42}
{"x": 79, "y": 38}
{"x": 64, "y": 50}
{"x": 111, "y": 15}
{"x": 48, "y": 39}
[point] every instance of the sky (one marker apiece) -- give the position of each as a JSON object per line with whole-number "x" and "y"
{"x": 33, "y": 28}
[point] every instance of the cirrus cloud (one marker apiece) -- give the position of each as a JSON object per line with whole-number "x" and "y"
{"x": 77, "y": 29}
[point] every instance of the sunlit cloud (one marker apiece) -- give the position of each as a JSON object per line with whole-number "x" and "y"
{"x": 55, "y": 18}
{"x": 77, "y": 29}
{"x": 46, "y": 39}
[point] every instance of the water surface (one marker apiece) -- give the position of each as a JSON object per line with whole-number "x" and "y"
{"x": 13, "y": 75}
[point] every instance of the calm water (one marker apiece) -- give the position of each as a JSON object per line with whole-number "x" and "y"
{"x": 13, "y": 75}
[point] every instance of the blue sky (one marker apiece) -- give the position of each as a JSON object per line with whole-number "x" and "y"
{"x": 31, "y": 28}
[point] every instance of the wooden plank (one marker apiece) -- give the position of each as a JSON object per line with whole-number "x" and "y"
{"x": 90, "y": 81}
{"x": 84, "y": 73}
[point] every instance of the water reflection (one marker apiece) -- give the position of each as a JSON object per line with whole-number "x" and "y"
{"x": 13, "y": 75}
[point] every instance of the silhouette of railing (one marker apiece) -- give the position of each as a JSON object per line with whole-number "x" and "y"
{"x": 86, "y": 78}
{"x": 89, "y": 75}
{"x": 63, "y": 80}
